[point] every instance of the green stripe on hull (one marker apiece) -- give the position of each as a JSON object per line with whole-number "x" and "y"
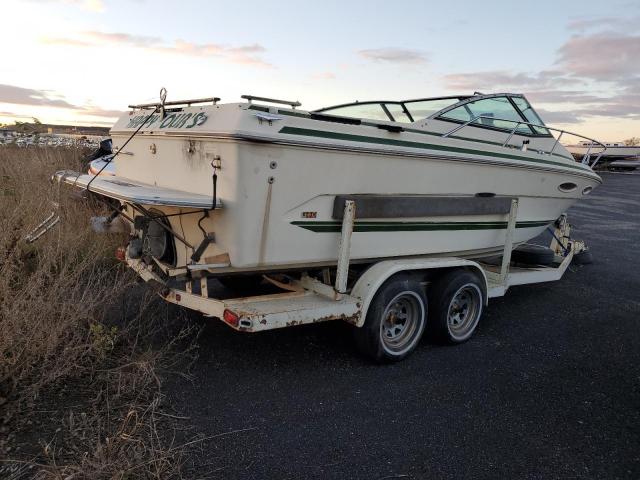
{"x": 411, "y": 144}
{"x": 363, "y": 226}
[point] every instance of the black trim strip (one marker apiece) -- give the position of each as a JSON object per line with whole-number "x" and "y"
{"x": 361, "y": 226}
{"x": 415, "y": 206}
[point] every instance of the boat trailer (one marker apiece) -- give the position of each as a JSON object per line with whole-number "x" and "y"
{"x": 309, "y": 300}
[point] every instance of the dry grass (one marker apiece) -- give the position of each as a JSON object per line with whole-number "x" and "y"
{"x": 83, "y": 347}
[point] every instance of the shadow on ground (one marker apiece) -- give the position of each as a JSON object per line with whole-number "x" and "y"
{"x": 549, "y": 386}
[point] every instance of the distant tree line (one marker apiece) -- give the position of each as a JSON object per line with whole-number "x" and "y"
{"x": 36, "y": 127}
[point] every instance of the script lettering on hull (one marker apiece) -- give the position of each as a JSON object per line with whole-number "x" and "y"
{"x": 174, "y": 120}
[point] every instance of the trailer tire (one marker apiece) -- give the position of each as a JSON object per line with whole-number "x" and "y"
{"x": 530, "y": 254}
{"x": 583, "y": 258}
{"x": 456, "y": 302}
{"x": 386, "y": 336}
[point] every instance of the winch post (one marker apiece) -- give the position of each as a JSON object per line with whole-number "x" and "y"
{"x": 508, "y": 241}
{"x": 344, "y": 248}
{"x": 560, "y": 235}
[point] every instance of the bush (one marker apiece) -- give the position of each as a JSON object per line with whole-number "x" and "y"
{"x": 80, "y": 339}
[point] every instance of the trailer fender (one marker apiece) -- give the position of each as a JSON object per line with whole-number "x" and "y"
{"x": 371, "y": 280}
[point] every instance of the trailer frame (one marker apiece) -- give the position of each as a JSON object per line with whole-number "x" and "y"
{"x": 308, "y": 300}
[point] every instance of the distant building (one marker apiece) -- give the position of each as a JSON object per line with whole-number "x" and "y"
{"x": 6, "y": 132}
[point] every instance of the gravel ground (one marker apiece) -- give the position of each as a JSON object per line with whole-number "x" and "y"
{"x": 549, "y": 387}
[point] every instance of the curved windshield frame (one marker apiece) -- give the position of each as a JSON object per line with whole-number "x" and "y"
{"x": 406, "y": 111}
{"x": 362, "y": 110}
{"x": 499, "y": 111}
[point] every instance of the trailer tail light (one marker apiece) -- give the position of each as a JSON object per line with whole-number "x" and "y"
{"x": 231, "y": 318}
{"x": 121, "y": 254}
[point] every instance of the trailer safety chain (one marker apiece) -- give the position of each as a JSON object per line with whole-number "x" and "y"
{"x": 553, "y": 234}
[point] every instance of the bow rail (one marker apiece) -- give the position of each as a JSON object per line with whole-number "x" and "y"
{"x": 174, "y": 103}
{"x": 250, "y": 98}
{"x": 585, "y": 159}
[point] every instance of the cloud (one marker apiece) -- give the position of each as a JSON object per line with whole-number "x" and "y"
{"x": 599, "y": 23}
{"x": 98, "y": 112}
{"x": 93, "y": 5}
{"x": 121, "y": 38}
{"x": 27, "y": 96}
{"x": 67, "y": 42}
{"x": 554, "y": 117}
{"x": 563, "y": 96}
{"x": 503, "y": 80}
{"x": 15, "y": 116}
{"x": 394, "y": 55}
{"x": 96, "y": 6}
{"x": 596, "y": 73}
{"x": 324, "y": 76}
{"x": 243, "y": 54}
{"x": 608, "y": 56}
{"x": 615, "y": 109}
{"x": 11, "y": 94}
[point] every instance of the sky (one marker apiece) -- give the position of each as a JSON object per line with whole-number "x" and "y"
{"x": 83, "y": 61}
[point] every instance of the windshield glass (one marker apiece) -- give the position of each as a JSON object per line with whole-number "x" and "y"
{"x": 421, "y": 109}
{"x": 397, "y": 112}
{"x": 369, "y": 111}
{"x": 496, "y": 112}
{"x": 402, "y": 112}
{"x": 530, "y": 114}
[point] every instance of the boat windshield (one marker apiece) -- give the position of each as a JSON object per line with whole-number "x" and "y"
{"x": 368, "y": 110}
{"x": 498, "y": 112}
{"x": 407, "y": 111}
{"x": 421, "y": 109}
{"x": 530, "y": 114}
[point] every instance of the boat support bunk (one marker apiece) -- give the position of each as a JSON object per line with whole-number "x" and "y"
{"x": 309, "y": 300}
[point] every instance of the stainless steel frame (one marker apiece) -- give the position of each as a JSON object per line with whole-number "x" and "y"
{"x": 174, "y": 103}
{"x": 585, "y": 159}
{"x": 250, "y": 98}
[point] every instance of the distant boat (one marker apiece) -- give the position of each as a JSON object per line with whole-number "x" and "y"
{"x": 617, "y": 155}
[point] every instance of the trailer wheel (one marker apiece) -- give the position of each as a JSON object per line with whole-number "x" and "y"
{"x": 395, "y": 321}
{"x": 583, "y": 258}
{"x": 456, "y": 306}
{"x": 530, "y": 254}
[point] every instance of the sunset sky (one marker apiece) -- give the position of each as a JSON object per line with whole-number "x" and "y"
{"x": 83, "y": 61}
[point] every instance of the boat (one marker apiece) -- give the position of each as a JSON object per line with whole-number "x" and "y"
{"x": 616, "y": 156}
{"x": 261, "y": 185}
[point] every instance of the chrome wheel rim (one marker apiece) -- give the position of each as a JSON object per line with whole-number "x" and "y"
{"x": 464, "y": 311}
{"x": 402, "y": 322}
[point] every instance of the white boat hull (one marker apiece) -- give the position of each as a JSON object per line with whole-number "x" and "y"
{"x": 277, "y": 184}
